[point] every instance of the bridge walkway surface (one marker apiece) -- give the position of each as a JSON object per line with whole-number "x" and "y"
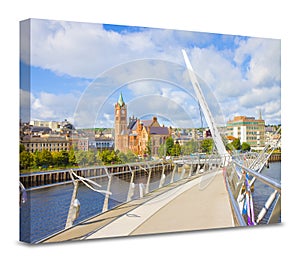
{"x": 193, "y": 203}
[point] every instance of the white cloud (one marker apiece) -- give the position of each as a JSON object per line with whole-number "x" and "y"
{"x": 47, "y": 106}
{"x": 252, "y": 80}
{"x": 241, "y": 79}
{"x": 218, "y": 72}
{"x": 264, "y": 65}
{"x": 165, "y": 107}
{"x": 86, "y": 50}
{"x": 259, "y": 96}
{"x": 272, "y": 107}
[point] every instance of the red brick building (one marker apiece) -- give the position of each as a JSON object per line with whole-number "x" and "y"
{"x": 137, "y": 135}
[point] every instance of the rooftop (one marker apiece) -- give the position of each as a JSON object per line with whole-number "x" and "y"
{"x": 159, "y": 130}
{"x": 244, "y": 119}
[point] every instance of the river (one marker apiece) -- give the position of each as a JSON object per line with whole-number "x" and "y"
{"x": 262, "y": 192}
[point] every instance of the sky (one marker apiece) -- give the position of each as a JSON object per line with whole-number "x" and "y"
{"x": 78, "y": 70}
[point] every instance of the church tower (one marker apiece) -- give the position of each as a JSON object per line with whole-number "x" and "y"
{"x": 121, "y": 139}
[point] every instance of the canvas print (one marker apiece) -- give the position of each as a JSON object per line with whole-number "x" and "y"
{"x": 128, "y": 130}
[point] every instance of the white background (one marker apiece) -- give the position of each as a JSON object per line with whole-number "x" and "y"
{"x": 273, "y": 19}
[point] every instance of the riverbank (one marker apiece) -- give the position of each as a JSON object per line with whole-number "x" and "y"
{"x": 275, "y": 157}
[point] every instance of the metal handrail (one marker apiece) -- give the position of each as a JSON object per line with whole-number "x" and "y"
{"x": 234, "y": 182}
{"x": 130, "y": 192}
{"x": 275, "y": 185}
{"x": 235, "y": 206}
{"x": 148, "y": 166}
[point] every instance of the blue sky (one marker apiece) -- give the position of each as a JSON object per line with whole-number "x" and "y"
{"x": 79, "y": 69}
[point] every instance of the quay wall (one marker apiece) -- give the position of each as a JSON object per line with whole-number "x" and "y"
{"x": 275, "y": 157}
{"x": 122, "y": 171}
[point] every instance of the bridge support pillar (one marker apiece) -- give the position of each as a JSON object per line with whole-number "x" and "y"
{"x": 131, "y": 185}
{"x": 148, "y": 180}
{"x": 163, "y": 176}
{"x": 198, "y": 169}
{"x": 173, "y": 173}
{"x": 72, "y": 212}
{"x": 182, "y": 172}
{"x": 105, "y": 204}
{"x": 191, "y": 170}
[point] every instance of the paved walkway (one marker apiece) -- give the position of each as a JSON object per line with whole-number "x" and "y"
{"x": 198, "y": 202}
{"x": 200, "y": 207}
{"x": 202, "y": 203}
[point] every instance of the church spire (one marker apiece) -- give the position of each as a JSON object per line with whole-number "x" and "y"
{"x": 260, "y": 116}
{"x": 121, "y": 101}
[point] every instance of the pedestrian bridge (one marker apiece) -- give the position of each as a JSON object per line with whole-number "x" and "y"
{"x": 195, "y": 202}
{"x": 206, "y": 195}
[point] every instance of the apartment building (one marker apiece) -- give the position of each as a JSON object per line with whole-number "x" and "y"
{"x": 57, "y": 144}
{"x": 247, "y": 129}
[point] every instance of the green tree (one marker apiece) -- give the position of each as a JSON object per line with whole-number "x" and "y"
{"x": 207, "y": 145}
{"x": 131, "y": 157}
{"x": 176, "y": 150}
{"x": 128, "y": 157}
{"x": 190, "y": 147}
{"x": 81, "y": 157}
{"x": 21, "y": 148}
{"x": 229, "y": 147}
{"x": 91, "y": 157}
{"x": 236, "y": 144}
{"x": 43, "y": 158}
{"x": 56, "y": 158}
{"x": 245, "y": 146}
{"x": 122, "y": 156}
{"x": 26, "y": 160}
{"x": 64, "y": 157}
{"x": 60, "y": 158}
{"x": 109, "y": 157}
{"x": 72, "y": 157}
{"x": 148, "y": 151}
{"x": 169, "y": 145}
{"x": 37, "y": 158}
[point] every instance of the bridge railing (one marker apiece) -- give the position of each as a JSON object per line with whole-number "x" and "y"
{"x": 183, "y": 167}
{"x": 153, "y": 174}
{"x": 240, "y": 178}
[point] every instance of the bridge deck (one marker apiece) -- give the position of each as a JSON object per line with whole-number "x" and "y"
{"x": 198, "y": 202}
{"x": 204, "y": 205}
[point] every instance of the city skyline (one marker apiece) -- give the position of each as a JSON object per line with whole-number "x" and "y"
{"x": 70, "y": 60}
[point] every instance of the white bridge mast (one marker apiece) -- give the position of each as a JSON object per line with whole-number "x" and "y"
{"x": 207, "y": 114}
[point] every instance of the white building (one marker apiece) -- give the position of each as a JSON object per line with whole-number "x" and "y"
{"x": 101, "y": 143}
{"x": 247, "y": 129}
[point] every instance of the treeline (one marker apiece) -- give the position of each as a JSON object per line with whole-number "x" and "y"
{"x": 46, "y": 159}
{"x": 73, "y": 158}
{"x": 236, "y": 145}
{"x": 172, "y": 148}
